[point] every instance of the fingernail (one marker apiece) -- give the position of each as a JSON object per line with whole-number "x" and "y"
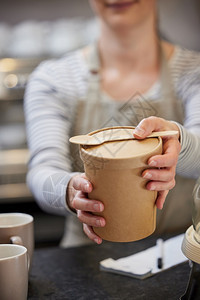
{"x": 102, "y": 223}
{"x": 98, "y": 207}
{"x": 98, "y": 222}
{"x": 97, "y": 241}
{"x": 153, "y": 163}
{"x": 139, "y": 131}
{"x": 147, "y": 176}
{"x": 87, "y": 186}
{"x": 152, "y": 188}
{"x": 101, "y": 207}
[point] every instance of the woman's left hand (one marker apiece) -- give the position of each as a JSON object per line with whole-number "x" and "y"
{"x": 162, "y": 177}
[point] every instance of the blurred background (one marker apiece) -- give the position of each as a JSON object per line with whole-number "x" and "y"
{"x": 32, "y": 31}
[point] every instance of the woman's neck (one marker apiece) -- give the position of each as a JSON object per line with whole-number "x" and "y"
{"x": 129, "y": 49}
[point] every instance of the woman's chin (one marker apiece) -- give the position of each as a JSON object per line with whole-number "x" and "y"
{"x": 119, "y": 23}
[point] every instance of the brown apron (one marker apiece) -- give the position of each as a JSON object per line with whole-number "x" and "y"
{"x": 98, "y": 111}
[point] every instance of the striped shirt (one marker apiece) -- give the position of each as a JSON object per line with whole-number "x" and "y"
{"x": 49, "y": 103}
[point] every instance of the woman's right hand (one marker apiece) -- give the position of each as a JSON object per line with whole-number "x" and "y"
{"x": 77, "y": 192}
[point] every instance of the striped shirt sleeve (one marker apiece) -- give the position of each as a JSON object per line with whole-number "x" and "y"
{"x": 189, "y": 90}
{"x": 48, "y": 119}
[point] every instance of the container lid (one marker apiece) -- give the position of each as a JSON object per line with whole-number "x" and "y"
{"x": 120, "y": 149}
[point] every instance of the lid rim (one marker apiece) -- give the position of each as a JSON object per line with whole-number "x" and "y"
{"x": 106, "y": 159}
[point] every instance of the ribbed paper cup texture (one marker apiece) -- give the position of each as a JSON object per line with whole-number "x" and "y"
{"x": 114, "y": 169}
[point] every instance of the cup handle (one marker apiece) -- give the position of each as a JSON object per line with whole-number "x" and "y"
{"x": 17, "y": 240}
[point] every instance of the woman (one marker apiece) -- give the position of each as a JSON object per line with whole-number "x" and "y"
{"x": 88, "y": 89}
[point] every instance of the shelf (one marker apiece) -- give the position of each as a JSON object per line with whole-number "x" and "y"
{"x": 15, "y": 192}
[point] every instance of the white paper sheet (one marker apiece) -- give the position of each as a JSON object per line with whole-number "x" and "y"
{"x": 144, "y": 264}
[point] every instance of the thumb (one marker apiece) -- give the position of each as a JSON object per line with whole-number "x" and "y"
{"x": 148, "y": 125}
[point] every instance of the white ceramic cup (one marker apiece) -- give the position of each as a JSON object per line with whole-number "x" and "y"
{"x": 13, "y": 272}
{"x": 17, "y": 228}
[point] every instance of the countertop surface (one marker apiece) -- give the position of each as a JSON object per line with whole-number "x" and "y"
{"x": 74, "y": 273}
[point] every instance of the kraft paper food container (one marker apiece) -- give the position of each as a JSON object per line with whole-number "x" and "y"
{"x": 114, "y": 169}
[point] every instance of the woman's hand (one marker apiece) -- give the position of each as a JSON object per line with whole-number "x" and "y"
{"x": 162, "y": 177}
{"x": 78, "y": 188}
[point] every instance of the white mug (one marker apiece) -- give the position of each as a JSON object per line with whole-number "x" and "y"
{"x": 13, "y": 272}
